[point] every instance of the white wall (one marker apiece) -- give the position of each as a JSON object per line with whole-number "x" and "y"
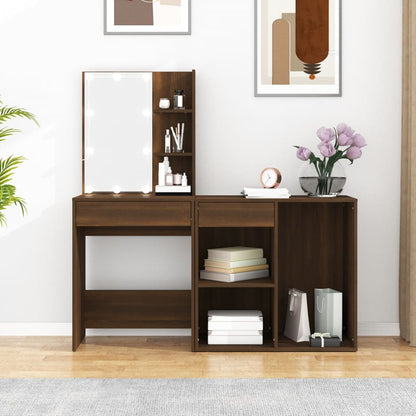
{"x": 47, "y": 43}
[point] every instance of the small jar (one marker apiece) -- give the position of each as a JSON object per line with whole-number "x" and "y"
{"x": 177, "y": 179}
{"x": 179, "y": 100}
{"x": 164, "y": 103}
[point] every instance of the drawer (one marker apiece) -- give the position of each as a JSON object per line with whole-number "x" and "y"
{"x": 134, "y": 214}
{"x": 236, "y": 214}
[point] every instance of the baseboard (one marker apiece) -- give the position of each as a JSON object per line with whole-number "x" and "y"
{"x": 65, "y": 329}
{"x": 378, "y": 329}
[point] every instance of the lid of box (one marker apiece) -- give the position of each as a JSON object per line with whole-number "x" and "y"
{"x": 234, "y": 315}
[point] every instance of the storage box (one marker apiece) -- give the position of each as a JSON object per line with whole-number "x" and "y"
{"x": 328, "y": 342}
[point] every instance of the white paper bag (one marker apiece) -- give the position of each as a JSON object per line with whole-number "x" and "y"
{"x": 328, "y": 312}
{"x": 297, "y": 320}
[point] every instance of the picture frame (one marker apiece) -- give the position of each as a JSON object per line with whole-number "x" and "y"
{"x": 298, "y": 48}
{"x": 147, "y": 17}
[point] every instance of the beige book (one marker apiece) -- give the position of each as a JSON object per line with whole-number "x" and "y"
{"x": 237, "y": 269}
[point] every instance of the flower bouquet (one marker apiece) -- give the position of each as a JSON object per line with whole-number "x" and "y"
{"x": 324, "y": 176}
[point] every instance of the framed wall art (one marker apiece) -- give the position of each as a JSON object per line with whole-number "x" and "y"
{"x": 298, "y": 48}
{"x": 147, "y": 17}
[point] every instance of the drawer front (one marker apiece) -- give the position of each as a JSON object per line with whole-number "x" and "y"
{"x": 134, "y": 214}
{"x": 234, "y": 214}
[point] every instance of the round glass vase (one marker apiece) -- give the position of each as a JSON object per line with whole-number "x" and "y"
{"x": 326, "y": 185}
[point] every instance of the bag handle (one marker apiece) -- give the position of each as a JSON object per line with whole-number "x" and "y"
{"x": 320, "y": 310}
{"x": 292, "y": 295}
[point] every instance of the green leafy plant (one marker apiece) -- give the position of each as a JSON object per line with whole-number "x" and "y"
{"x": 8, "y": 165}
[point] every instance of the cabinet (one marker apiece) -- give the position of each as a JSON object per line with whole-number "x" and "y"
{"x": 308, "y": 243}
{"x": 164, "y": 85}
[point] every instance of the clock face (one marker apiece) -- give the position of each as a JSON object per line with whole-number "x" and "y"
{"x": 270, "y": 178}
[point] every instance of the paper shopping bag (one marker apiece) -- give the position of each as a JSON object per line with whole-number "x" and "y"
{"x": 297, "y": 320}
{"x": 328, "y": 312}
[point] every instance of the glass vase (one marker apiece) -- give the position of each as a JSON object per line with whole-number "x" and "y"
{"x": 327, "y": 184}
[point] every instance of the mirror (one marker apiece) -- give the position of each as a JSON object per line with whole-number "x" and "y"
{"x": 117, "y": 137}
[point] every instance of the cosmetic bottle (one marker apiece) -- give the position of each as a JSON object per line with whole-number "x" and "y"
{"x": 169, "y": 177}
{"x": 166, "y": 163}
{"x": 177, "y": 179}
{"x": 178, "y": 100}
{"x": 184, "y": 180}
{"x": 167, "y": 142}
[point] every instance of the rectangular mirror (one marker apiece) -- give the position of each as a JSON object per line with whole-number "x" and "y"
{"x": 117, "y": 132}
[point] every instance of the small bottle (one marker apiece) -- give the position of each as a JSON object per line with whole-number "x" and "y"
{"x": 184, "y": 180}
{"x": 167, "y": 141}
{"x": 166, "y": 163}
{"x": 178, "y": 100}
{"x": 169, "y": 177}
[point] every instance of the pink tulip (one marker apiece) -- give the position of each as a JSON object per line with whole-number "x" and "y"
{"x": 344, "y": 139}
{"x": 326, "y": 134}
{"x": 342, "y": 128}
{"x": 354, "y": 152}
{"x": 303, "y": 153}
{"x": 358, "y": 141}
{"x": 327, "y": 149}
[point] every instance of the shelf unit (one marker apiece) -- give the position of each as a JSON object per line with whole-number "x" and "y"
{"x": 308, "y": 243}
{"x": 164, "y": 85}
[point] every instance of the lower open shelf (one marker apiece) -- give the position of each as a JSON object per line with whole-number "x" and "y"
{"x": 267, "y": 346}
{"x": 287, "y": 345}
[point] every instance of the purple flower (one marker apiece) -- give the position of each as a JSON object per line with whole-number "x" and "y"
{"x": 303, "y": 153}
{"x": 354, "y": 152}
{"x": 326, "y": 134}
{"x": 342, "y": 128}
{"x": 344, "y": 140}
{"x": 358, "y": 141}
{"x": 327, "y": 149}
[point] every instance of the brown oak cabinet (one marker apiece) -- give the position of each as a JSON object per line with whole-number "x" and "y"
{"x": 308, "y": 242}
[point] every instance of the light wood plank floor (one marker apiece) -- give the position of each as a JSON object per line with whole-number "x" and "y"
{"x": 171, "y": 357}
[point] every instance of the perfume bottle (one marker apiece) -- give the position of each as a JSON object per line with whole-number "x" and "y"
{"x": 178, "y": 100}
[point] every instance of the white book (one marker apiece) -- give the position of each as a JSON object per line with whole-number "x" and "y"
{"x": 235, "y": 264}
{"x": 235, "y": 315}
{"x": 235, "y": 326}
{"x": 266, "y": 192}
{"x": 233, "y": 277}
{"x": 235, "y": 332}
{"x": 234, "y": 253}
{"x": 235, "y": 339}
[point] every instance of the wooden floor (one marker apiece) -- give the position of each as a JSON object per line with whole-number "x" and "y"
{"x": 168, "y": 357}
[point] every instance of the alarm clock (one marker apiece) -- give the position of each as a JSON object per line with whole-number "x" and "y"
{"x": 270, "y": 178}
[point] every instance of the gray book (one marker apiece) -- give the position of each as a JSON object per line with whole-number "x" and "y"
{"x": 233, "y": 277}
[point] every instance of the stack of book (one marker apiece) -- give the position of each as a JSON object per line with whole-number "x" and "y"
{"x": 235, "y": 327}
{"x": 234, "y": 264}
{"x": 273, "y": 193}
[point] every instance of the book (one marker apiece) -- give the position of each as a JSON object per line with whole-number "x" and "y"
{"x": 235, "y": 339}
{"x": 235, "y": 325}
{"x": 266, "y": 193}
{"x": 233, "y": 277}
{"x": 231, "y": 315}
{"x": 232, "y": 264}
{"x": 234, "y": 253}
{"x": 237, "y": 269}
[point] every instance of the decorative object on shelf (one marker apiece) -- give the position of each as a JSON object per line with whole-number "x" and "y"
{"x": 164, "y": 103}
{"x": 178, "y": 100}
{"x": 235, "y": 327}
{"x": 328, "y": 311}
{"x": 147, "y": 17}
{"x": 297, "y": 319}
{"x": 8, "y": 166}
{"x": 298, "y": 48}
{"x": 325, "y": 177}
{"x": 270, "y": 177}
{"x": 324, "y": 340}
{"x": 272, "y": 193}
{"x": 178, "y": 132}
{"x": 167, "y": 142}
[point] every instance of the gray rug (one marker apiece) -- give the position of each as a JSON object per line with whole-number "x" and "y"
{"x": 200, "y": 397}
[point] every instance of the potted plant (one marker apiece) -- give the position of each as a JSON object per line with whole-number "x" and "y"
{"x": 9, "y": 164}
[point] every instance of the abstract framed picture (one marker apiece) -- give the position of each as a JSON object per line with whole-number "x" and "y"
{"x": 297, "y": 48}
{"x": 147, "y": 17}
